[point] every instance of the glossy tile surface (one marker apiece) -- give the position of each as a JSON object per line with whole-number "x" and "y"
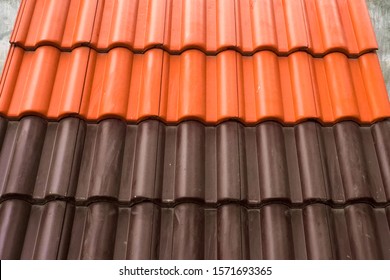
{"x": 180, "y": 129}
{"x": 251, "y": 89}
{"x": 46, "y": 82}
{"x": 150, "y": 161}
{"x": 102, "y": 230}
{"x": 210, "y": 26}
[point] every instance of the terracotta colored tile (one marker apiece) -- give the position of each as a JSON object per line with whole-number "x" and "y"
{"x": 373, "y": 83}
{"x": 300, "y": 87}
{"x": 65, "y": 24}
{"x": 199, "y": 87}
{"x": 122, "y": 84}
{"x": 137, "y": 25}
{"x": 45, "y": 82}
{"x": 261, "y": 94}
{"x": 341, "y": 89}
{"x": 339, "y": 25}
{"x": 262, "y": 28}
{"x": 210, "y": 26}
{"x": 330, "y": 23}
{"x": 193, "y": 85}
{"x": 205, "y": 25}
{"x": 175, "y": 21}
{"x": 90, "y": 178}
{"x": 361, "y": 21}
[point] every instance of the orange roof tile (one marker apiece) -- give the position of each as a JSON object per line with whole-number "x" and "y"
{"x": 209, "y": 60}
{"x": 192, "y": 85}
{"x": 45, "y": 82}
{"x": 282, "y": 26}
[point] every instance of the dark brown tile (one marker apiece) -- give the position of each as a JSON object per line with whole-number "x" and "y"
{"x": 14, "y": 217}
{"x": 104, "y": 230}
{"x": 191, "y": 162}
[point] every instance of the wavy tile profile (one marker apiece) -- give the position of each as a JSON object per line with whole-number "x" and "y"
{"x": 46, "y": 82}
{"x": 211, "y": 26}
{"x": 59, "y": 230}
{"x": 211, "y": 89}
{"x": 42, "y": 160}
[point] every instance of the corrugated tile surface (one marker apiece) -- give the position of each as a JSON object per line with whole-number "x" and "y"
{"x": 191, "y": 162}
{"x": 219, "y": 174}
{"x": 191, "y": 85}
{"x": 103, "y": 230}
{"x": 211, "y": 26}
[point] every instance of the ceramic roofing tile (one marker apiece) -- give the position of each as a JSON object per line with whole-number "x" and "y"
{"x": 14, "y": 218}
{"x": 45, "y": 82}
{"x": 381, "y": 134}
{"x": 46, "y": 231}
{"x": 205, "y": 25}
{"x": 233, "y": 228}
{"x": 33, "y": 140}
{"x": 133, "y": 94}
{"x": 136, "y": 24}
{"x": 210, "y": 26}
{"x": 103, "y": 230}
{"x": 36, "y": 231}
{"x": 192, "y": 85}
{"x": 192, "y": 162}
{"x": 65, "y": 24}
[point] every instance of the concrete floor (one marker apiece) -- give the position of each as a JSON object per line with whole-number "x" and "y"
{"x": 379, "y": 12}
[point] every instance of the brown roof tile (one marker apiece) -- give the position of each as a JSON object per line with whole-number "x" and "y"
{"x": 82, "y": 181}
{"x": 192, "y": 162}
{"x": 103, "y": 230}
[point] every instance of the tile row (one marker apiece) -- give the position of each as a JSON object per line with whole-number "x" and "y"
{"x": 102, "y": 230}
{"x": 211, "y": 26}
{"x": 151, "y": 161}
{"x": 54, "y": 84}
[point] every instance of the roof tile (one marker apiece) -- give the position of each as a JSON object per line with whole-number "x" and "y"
{"x": 103, "y": 230}
{"x": 210, "y": 26}
{"x": 65, "y": 24}
{"x": 191, "y": 85}
{"x": 45, "y": 82}
{"x": 192, "y": 162}
{"x": 219, "y": 174}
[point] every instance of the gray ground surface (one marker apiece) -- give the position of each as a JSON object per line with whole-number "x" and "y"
{"x": 380, "y": 17}
{"x": 379, "y": 11}
{"x": 8, "y": 11}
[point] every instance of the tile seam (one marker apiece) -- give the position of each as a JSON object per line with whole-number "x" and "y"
{"x": 205, "y": 124}
{"x": 206, "y": 205}
{"x": 207, "y": 53}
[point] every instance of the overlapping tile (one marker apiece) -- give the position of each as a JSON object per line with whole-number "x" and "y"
{"x": 102, "y": 230}
{"x": 60, "y": 23}
{"x": 34, "y": 231}
{"x": 174, "y": 188}
{"x": 46, "y": 82}
{"x": 210, "y": 26}
{"x": 192, "y": 162}
{"x": 191, "y": 85}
